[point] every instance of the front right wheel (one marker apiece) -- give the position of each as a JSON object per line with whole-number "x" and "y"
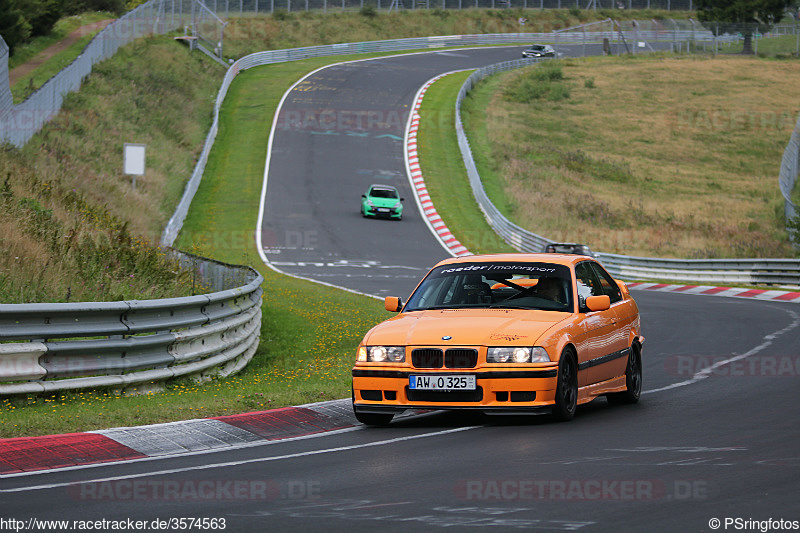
{"x": 567, "y": 388}
{"x": 633, "y": 379}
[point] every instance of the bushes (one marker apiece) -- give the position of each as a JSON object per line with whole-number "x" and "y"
{"x": 541, "y": 83}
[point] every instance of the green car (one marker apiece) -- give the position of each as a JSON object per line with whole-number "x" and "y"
{"x": 382, "y": 201}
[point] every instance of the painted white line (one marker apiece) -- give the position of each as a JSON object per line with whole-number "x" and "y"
{"x": 243, "y": 462}
{"x": 706, "y": 372}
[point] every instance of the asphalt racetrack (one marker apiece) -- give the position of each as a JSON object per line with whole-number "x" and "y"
{"x": 714, "y": 444}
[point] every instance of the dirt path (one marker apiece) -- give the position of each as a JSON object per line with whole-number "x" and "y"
{"x": 23, "y": 70}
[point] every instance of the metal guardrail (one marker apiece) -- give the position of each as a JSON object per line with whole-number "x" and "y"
{"x": 131, "y": 345}
{"x": 747, "y": 271}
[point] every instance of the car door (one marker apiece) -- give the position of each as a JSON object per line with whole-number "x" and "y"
{"x": 613, "y": 365}
{"x": 601, "y": 335}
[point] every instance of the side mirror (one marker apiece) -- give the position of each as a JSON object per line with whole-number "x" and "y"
{"x": 402, "y": 199}
{"x": 394, "y": 304}
{"x": 598, "y": 303}
{"x": 624, "y": 288}
{"x": 363, "y": 196}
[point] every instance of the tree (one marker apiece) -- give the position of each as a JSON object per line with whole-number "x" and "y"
{"x": 41, "y": 14}
{"x": 14, "y": 28}
{"x": 741, "y": 16}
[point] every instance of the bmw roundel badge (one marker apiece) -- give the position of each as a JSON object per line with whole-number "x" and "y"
{"x": 446, "y": 338}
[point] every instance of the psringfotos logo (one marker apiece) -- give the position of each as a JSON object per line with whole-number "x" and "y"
{"x": 774, "y": 366}
{"x": 580, "y": 489}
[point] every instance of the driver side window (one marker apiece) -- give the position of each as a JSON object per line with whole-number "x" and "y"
{"x": 607, "y": 284}
{"x": 588, "y": 284}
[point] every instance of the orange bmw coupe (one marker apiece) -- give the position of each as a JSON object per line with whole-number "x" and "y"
{"x": 503, "y": 334}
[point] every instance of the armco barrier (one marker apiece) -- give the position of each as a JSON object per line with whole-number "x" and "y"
{"x": 747, "y": 271}
{"x": 131, "y": 345}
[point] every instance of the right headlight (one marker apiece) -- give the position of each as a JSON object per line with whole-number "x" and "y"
{"x": 516, "y": 354}
{"x": 382, "y": 354}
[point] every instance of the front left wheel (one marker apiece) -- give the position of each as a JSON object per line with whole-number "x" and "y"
{"x": 567, "y": 388}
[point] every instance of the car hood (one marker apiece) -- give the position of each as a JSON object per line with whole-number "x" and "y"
{"x": 383, "y": 202}
{"x": 466, "y": 327}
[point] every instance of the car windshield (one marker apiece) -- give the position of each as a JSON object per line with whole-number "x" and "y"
{"x": 383, "y": 193}
{"x": 537, "y": 47}
{"x": 513, "y": 285}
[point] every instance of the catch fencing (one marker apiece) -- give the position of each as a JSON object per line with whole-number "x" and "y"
{"x": 790, "y": 166}
{"x": 746, "y": 271}
{"x": 230, "y": 8}
{"x": 132, "y": 346}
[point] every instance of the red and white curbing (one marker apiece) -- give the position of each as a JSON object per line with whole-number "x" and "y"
{"x": 424, "y": 201}
{"x": 756, "y": 294}
{"x": 24, "y": 455}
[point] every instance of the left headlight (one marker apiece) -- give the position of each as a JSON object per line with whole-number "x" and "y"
{"x": 382, "y": 354}
{"x": 517, "y": 354}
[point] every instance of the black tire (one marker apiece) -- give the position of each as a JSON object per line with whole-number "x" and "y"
{"x": 567, "y": 388}
{"x": 633, "y": 379}
{"x": 374, "y": 419}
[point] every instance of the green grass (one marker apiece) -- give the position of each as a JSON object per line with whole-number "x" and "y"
{"x": 444, "y": 172}
{"x": 475, "y": 124}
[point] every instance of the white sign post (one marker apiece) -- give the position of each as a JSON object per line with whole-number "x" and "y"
{"x": 134, "y": 160}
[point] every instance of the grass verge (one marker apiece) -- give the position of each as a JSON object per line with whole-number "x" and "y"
{"x": 444, "y": 172}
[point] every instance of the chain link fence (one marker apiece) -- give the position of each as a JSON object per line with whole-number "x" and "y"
{"x": 790, "y": 166}
{"x": 18, "y": 123}
{"x": 230, "y": 8}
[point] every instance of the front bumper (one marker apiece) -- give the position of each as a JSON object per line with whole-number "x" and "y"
{"x": 501, "y": 391}
{"x": 383, "y": 212}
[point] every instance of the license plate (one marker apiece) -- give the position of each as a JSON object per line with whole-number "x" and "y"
{"x": 454, "y": 382}
{"x": 383, "y": 210}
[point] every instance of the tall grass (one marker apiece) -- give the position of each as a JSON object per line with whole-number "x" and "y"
{"x": 663, "y": 157}
{"x": 244, "y": 35}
